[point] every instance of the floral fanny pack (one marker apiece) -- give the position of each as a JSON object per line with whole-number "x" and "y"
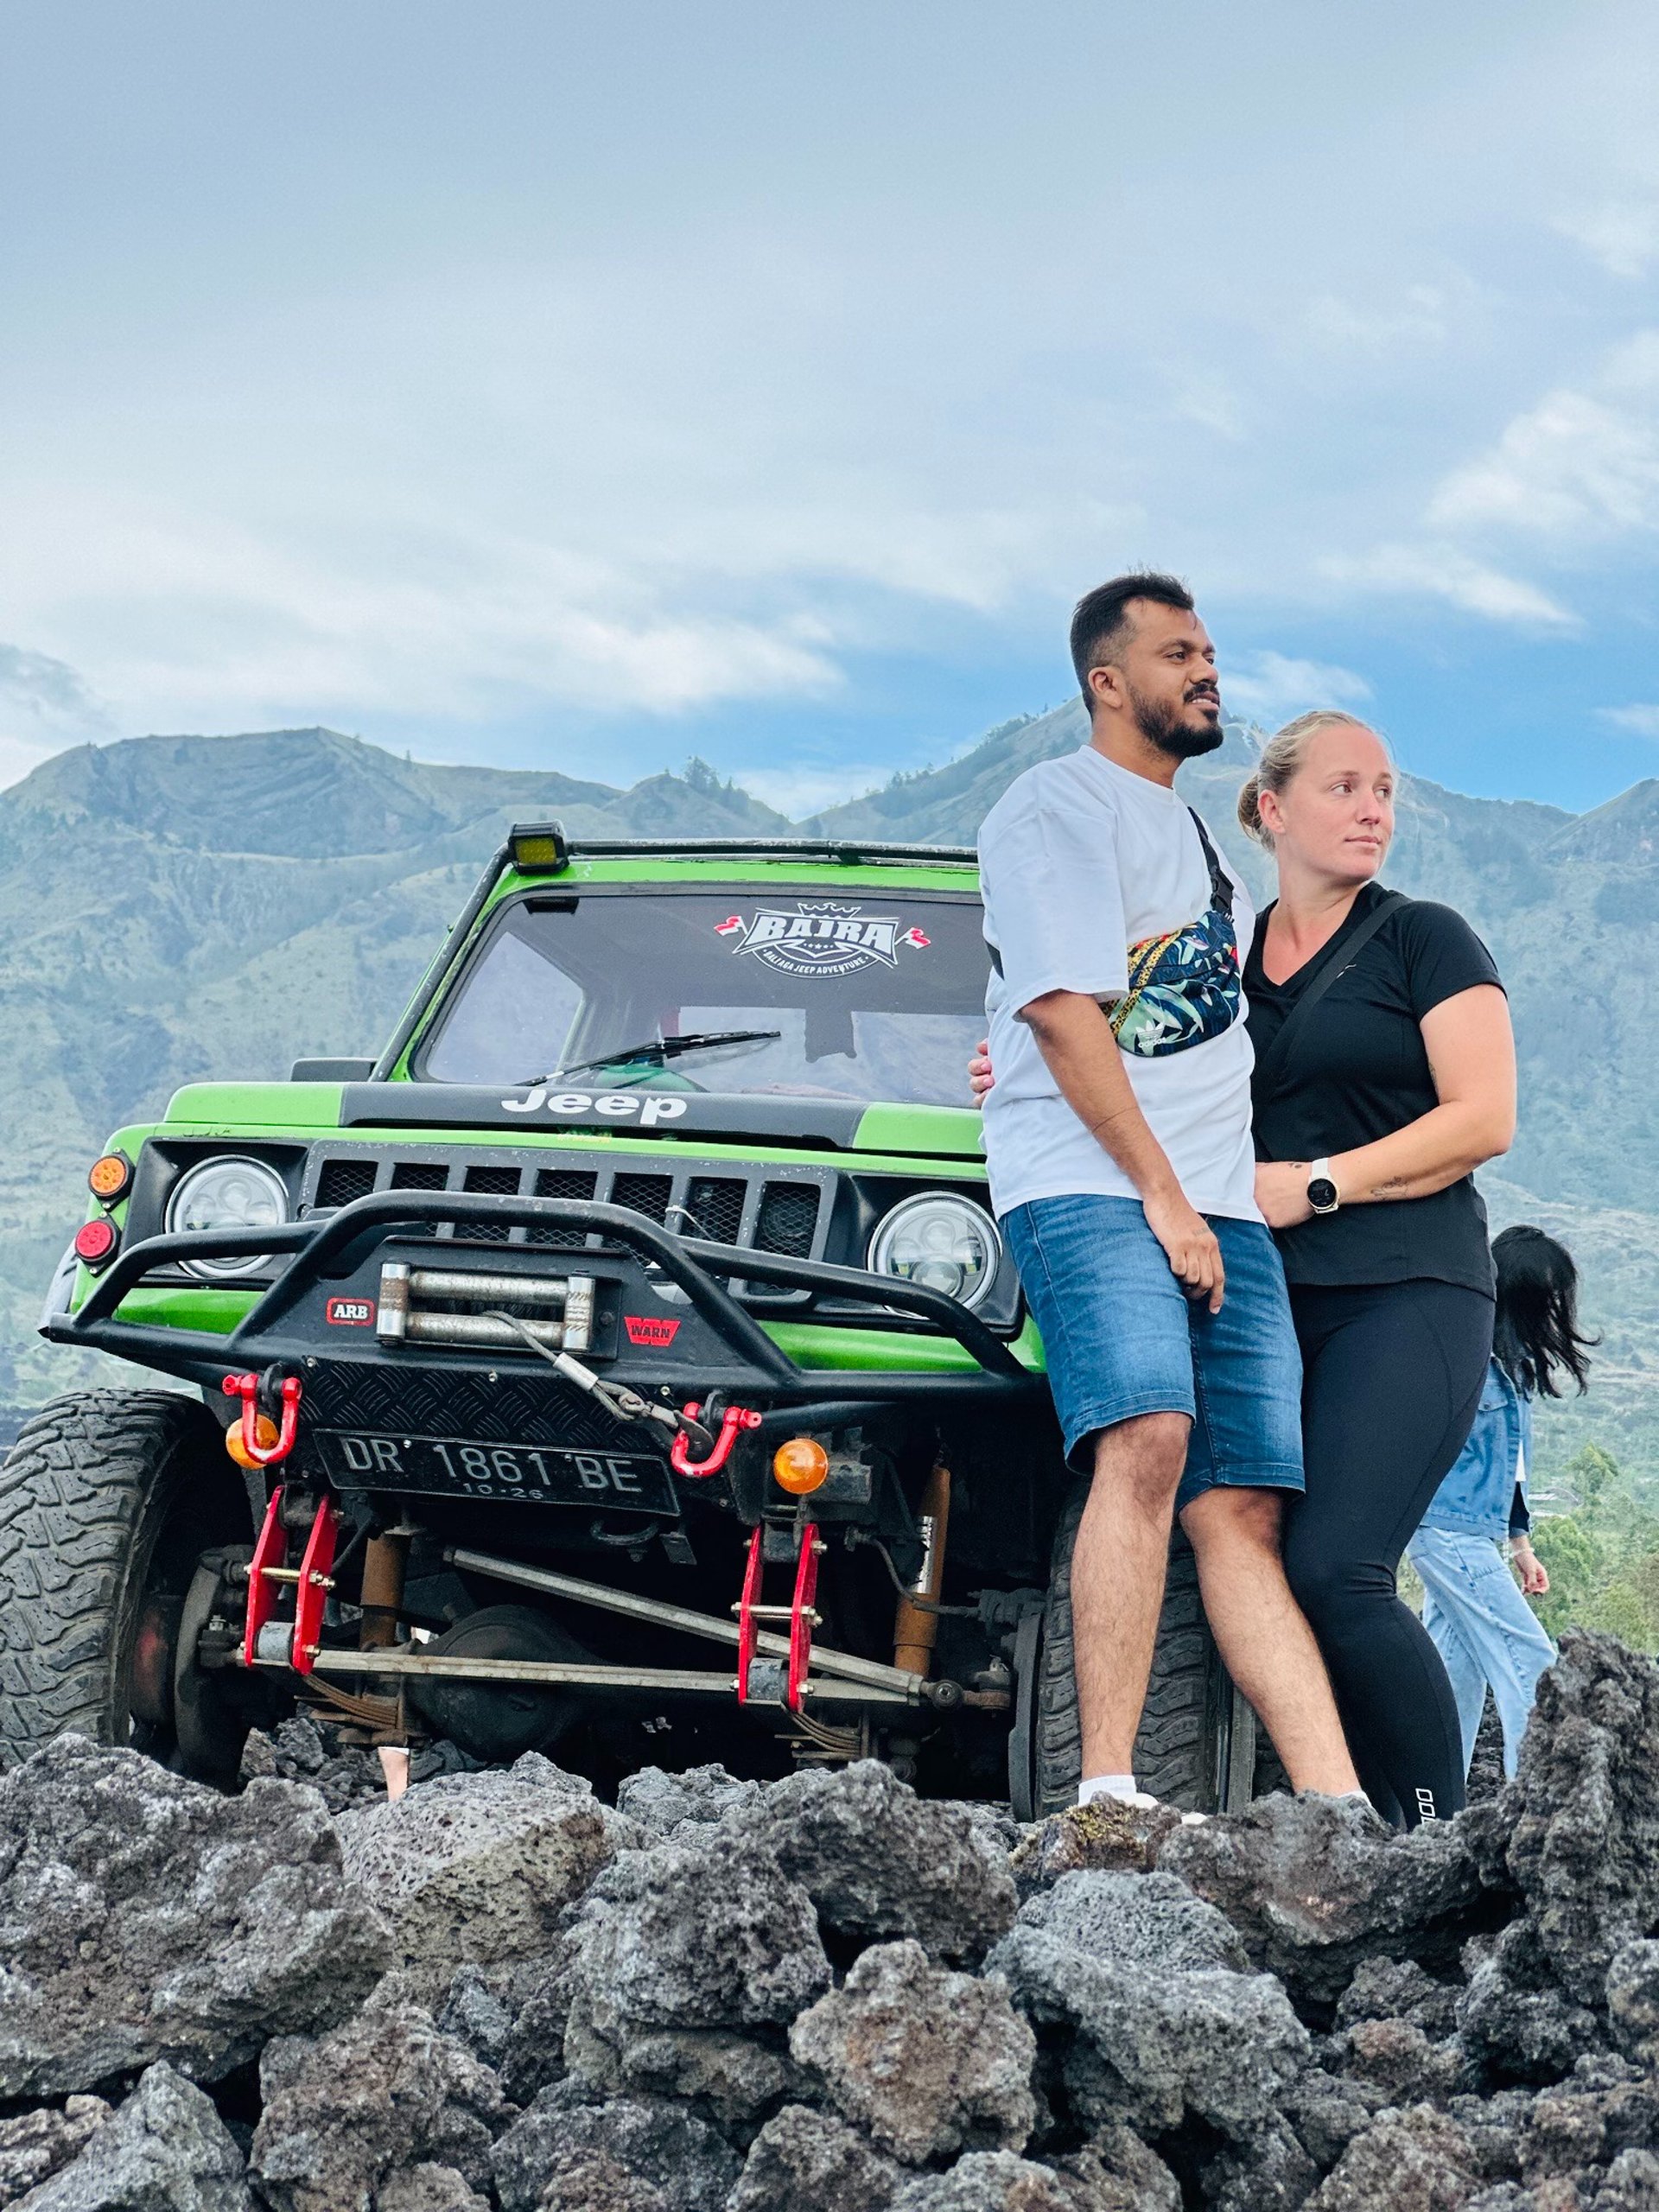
{"x": 1183, "y": 986}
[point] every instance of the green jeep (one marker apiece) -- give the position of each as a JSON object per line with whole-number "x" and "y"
{"x": 626, "y": 1360}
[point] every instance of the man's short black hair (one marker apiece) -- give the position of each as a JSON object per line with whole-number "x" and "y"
{"x": 1102, "y": 618}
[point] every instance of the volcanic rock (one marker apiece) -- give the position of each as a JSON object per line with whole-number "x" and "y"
{"x": 167, "y": 2150}
{"x": 1318, "y": 1885}
{"x": 674, "y": 1808}
{"x": 1326, "y": 2112}
{"x": 35, "y": 2144}
{"x": 631, "y": 2154}
{"x": 803, "y": 2158}
{"x": 1268, "y": 2171}
{"x": 997, "y": 2181}
{"x": 1418, "y": 2160}
{"x": 511, "y": 2014}
{"x": 929, "y": 2062}
{"x": 429, "y": 2189}
{"x": 1633, "y": 2001}
{"x": 679, "y": 1937}
{"x": 1606, "y": 2105}
{"x": 1514, "y": 2016}
{"x": 348, "y": 2114}
{"x": 1147, "y": 1979}
{"x": 1576, "y": 1832}
{"x": 1398, "y": 1989}
{"x": 1106, "y": 1836}
{"x": 481, "y": 1866}
{"x": 143, "y": 1916}
{"x": 880, "y": 1862}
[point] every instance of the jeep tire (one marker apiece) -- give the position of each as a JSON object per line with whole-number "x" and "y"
{"x": 1197, "y": 1745}
{"x": 107, "y": 1499}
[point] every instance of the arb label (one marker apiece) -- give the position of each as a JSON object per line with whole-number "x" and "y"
{"x": 351, "y": 1313}
{"x": 650, "y": 1329}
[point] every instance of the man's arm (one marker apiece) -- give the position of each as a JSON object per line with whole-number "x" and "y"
{"x": 1076, "y": 1041}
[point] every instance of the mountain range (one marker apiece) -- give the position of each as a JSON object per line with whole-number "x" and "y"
{"x": 176, "y": 907}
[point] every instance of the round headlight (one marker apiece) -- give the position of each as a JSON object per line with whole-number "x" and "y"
{"x": 228, "y": 1193}
{"x": 942, "y": 1242}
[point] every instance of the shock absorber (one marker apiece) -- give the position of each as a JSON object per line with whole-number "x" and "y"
{"x": 915, "y": 1629}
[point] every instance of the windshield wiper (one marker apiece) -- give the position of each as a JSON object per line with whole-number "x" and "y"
{"x": 657, "y": 1052}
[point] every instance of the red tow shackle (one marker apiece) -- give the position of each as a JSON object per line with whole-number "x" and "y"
{"x": 247, "y": 1388}
{"x": 732, "y": 1421}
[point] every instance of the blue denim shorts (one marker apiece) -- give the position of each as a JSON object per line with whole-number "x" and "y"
{"x": 1122, "y": 1340}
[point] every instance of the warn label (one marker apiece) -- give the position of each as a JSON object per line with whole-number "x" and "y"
{"x": 350, "y": 1314}
{"x": 650, "y": 1329}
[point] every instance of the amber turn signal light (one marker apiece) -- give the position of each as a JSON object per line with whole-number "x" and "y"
{"x": 109, "y": 1177}
{"x": 800, "y": 1465}
{"x": 264, "y": 1435}
{"x": 95, "y": 1241}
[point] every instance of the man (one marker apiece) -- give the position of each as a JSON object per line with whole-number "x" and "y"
{"x": 1118, "y": 1141}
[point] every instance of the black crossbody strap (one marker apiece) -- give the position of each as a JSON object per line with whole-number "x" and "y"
{"x": 1337, "y": 957}
{"x": 1221, "y": 884}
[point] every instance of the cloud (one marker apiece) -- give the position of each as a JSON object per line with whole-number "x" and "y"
{"x": 1446, "y": 572}
{"x": 1640, "y": 720}
{"x": 1581, "y": 462}
{"x": 1271, "y": 687}
{"x": 800, "y": 791}
{"x": 49, "y": 691}
{"x": 1622, "y": 235}
{"x": 1338, "y": 324}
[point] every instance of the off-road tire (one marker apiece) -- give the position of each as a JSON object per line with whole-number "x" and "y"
{"x": 1195, "y": 1746}
{"x": 106, "y": 1497}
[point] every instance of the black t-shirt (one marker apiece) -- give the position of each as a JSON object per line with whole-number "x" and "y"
{"x": 1357, "y": 1070}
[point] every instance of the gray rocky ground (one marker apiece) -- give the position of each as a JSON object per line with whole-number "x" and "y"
{"x": 827, "y": 1994}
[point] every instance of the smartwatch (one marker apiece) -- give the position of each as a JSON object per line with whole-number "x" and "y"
{"x": 1322, "y": 1192}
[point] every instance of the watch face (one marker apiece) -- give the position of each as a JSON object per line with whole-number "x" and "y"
{"x": 1321, "y": 1194}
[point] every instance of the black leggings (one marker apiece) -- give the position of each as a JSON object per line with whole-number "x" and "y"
{"x": 1391, "y": 1377}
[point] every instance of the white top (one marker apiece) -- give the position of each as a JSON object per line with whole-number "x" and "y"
{"x": 1079, "y": 860}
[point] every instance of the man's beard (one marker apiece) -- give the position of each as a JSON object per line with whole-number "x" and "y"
{"x": 1163, "y": 726}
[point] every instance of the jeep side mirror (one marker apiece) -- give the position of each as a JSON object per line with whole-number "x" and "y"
{"x": 330, "y": 1071}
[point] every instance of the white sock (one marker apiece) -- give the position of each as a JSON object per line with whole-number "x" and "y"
{"x": 1106, "y": 1785}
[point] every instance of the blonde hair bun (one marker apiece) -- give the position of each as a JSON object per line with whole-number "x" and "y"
{"x": 1282, "y": 757}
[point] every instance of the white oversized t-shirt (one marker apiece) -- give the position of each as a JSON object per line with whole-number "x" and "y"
{"x": 1079, "y": 860}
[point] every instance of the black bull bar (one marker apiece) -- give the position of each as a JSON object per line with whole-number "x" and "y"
{"x": 337, "y": 1244}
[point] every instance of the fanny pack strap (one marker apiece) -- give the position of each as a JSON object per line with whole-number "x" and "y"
{"x": 1334, "y": 961}
{"x": 1221, "y": 884}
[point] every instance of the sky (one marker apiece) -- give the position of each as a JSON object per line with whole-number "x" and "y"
{"x": 585, "y": 387}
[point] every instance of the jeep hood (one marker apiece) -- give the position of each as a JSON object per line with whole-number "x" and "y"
{"x": 827, "y": 1124}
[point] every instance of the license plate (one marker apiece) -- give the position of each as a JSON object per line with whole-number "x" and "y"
{"x": 540, "y": 1474}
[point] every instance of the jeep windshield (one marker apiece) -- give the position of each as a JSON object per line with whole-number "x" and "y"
{"x": 879, "y": 996}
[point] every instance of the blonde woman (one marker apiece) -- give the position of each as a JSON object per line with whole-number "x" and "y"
{"x": 1384, "y": 1077}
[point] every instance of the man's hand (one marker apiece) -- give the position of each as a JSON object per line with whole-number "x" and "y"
{"x": 1535, "y": 1575}
{"x": 1189, "y": 1245}
{"x": 980, "y": 1079}
{"x": 1281, "y": 1192}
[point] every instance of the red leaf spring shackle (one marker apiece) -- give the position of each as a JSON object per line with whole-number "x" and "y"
{"x": 247, "y": 1387}
{"x": 732, "y": 1423}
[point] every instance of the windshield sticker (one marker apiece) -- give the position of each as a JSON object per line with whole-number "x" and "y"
{"x": 820, "y": 939}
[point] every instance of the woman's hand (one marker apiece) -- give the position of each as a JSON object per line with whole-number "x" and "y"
{"x": 980, "y": 1079}
{"x": 1535, "y": 1575}
{"x": 1281, "y": 1192}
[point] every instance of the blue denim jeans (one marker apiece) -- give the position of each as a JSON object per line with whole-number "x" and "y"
{"x": 1485, "y": 1630}
{"x": 1122, "y": 1338}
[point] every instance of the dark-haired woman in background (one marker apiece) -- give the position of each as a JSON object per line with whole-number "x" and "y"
{"x": 1481, "y": 1624}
